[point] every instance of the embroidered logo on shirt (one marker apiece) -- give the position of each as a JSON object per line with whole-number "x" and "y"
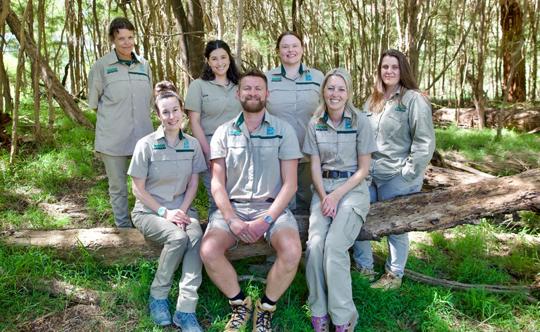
{"x": 234, "y": 132}
{"x": 308, "y": 77}
{"x": 400, "y": 108}
{"x": 348, "y": 123}
{"x": 276, "y": 79}
{"x": 111, "y": 70}
{"x": 159, "y": 146}
{"x": 270, "y": 131}
{"x": 321, "y": 127}
{"x": 186, "y": 144}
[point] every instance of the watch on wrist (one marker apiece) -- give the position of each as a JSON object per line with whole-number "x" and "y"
{"x": 268, "y": 219}
{"x": 161, "y": 211}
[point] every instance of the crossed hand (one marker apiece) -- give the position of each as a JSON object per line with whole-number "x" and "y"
{"x": 248, "y": 231}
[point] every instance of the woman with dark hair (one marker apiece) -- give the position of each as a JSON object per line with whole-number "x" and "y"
{"x": 120, "y": 90}
{"x": 340, "y": 141}
{"x": 211, "y": 99}
{"x": 294, "y": 96}
{"x": 165, "y": 174}
{"x": 400, "y": 116}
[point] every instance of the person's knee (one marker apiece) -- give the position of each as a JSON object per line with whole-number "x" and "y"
{"x": 176, "y": 238}
{"x": 289, "y": 252}
{"x": 211, "y": 250}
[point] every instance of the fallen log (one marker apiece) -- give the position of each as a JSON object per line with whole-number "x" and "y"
{"x": 440, "y": 209}
{"x": 519, "y": 118}
{"x": 442, "y": 178}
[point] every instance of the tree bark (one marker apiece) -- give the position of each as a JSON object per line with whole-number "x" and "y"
{"x": 421, "y": 212}
{"x": 512, "y": 49}
{"x": 64, "y": 99}
{"x": 191, "y": 22}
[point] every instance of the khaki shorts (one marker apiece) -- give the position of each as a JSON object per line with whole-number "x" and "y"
{"x": 251, "y": 211}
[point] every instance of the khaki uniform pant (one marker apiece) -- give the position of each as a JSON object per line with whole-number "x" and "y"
{"x": 178, "y": 246}
{"x": 116, "y": 168}
{"x": 327, "y": 257}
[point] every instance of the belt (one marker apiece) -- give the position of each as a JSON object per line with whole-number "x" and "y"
{"x": 268, "y": 200}
{"x": 336, "y": 174}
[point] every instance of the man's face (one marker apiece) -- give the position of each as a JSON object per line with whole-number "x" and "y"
{"x": 252, "y": 93}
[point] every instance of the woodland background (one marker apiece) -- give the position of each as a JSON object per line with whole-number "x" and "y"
{"x": 476, "y": 59}
{"x": 461, "y": 51}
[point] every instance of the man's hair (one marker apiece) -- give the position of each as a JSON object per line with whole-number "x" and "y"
{"x": 253, "y": 73}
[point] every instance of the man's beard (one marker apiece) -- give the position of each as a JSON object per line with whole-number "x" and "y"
{"x": 252, "y": 107}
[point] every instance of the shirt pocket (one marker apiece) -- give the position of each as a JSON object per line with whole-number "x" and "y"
{"x": 327, "y": 145}
{"x": 268, "y": 151}
{"x": 308, "y": 95}
{"x": 212, "y": 106}
{"x": 347, "y": 147}
{"x": 171, "y": 170}
{"x": 237, "y": 151}
{"x": 393, "y": 123}
{"x": 116, "y": 88}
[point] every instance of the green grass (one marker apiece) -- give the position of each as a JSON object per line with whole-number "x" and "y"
{"x": 481, "y": 146}
{"x": 63, "y": 165}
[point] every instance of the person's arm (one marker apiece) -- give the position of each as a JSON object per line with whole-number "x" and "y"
{"x": 198, "y": 132}
{"x": 221, "y": 198}
{"x": 95, "y": 86}
{"x": 331, "y": 201}
{"x": 290, "y": 184}
{"x": 139, "y": 191}
{"x": 316, "y": 176}
{"x": 423, "y": 137}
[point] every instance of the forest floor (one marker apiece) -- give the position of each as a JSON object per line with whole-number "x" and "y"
{"x": 58, "y": 183}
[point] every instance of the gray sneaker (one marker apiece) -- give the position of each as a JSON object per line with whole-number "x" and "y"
{"x": 369, "y": 274}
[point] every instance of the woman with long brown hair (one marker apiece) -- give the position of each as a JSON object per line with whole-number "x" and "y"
{"x": 400, "y": 116}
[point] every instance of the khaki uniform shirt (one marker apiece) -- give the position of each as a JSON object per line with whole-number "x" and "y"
{"x": 253, "y": 159}
{"x": 167, "y": 169}
{"x": 122, "y": 95}
{"x": 339, "y": 147}
{"x": 404, "y": 135}
{"x": 294, "y": 101}
{"x": 216, "y": 104}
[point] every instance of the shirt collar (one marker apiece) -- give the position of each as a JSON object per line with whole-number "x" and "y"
{"x": 160, "y": 133}
{"x": 267, "y": 118}
{"x": 347, "y": 114}
{"x": 112, "y": 58}
{"x": 301, "y": 70}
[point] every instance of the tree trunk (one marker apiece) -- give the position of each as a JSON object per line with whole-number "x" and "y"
{"x": 420, "y": 212}
{"x": 192, "y": 38}
{"x": 64, "y": 99}
{"x": 512, "y": 46}
{"x": 239, "y": 28}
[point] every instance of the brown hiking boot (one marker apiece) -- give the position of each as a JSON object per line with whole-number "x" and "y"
{"x": 387, "y": 281}
{"x": 262, "y": 318}
{"x": 241, "y": 312}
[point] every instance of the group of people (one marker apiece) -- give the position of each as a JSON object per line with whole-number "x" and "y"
{"x": 266, "y": 145}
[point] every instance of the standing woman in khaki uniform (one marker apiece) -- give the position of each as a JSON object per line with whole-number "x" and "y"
{"x": 340, "y": 141}
{"x": 294, "y": 96}
{"x": 120, "y": 89}
{"x": 211, "y": 100}
{"x": 401, "y": 119}
{"x": 165, "y": 173}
